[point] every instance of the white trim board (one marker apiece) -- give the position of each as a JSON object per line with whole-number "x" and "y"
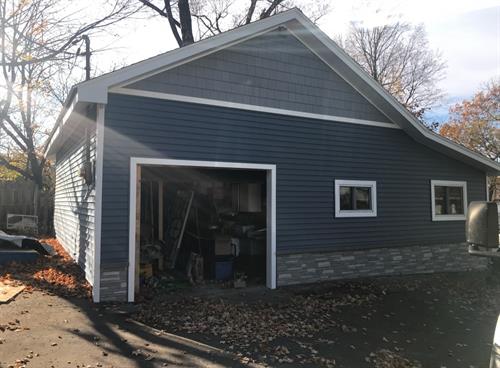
{"x": 241, "y": 106}
{"x": 448, "y": 183}
{"x": 60, "y": 125}
{"x": 356, "y": 213}
{"x": 96, "y": 290}
{"x": 136, "y": 162}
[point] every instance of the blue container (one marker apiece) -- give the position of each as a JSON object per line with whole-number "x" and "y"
{"x": 224, "y": 270}
{"x": 17, "y": 255}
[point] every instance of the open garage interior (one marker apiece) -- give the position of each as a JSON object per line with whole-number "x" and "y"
{"x": 202, "y": 226}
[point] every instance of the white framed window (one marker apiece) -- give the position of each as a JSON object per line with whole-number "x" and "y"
{"x": 355, "y": 198}
{"x": 449, "y": 200}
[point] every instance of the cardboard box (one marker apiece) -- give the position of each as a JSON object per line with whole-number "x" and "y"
{"x": 146, "y": 270}
{"x": 223, "y": 246}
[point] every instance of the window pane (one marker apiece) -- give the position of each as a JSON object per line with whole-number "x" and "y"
{"x": 449, "y": 200}
{"x": 440, "y": 200}
{"x": 455, "y": 201}
{"x": 345, "y": 198}
{"x": 363, "y": 198}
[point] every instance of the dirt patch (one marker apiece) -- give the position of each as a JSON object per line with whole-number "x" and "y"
{"x": 57, "y": 274}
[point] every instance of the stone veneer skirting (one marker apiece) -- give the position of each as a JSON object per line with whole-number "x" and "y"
{"x": 114, "y": 279}
{"x": 314, "y": 267}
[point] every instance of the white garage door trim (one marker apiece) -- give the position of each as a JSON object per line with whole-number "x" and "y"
{"x": 271, "y": 209}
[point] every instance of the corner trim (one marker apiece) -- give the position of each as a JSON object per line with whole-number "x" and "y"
{"x": 96, "y": 289}
{"x": 271, "y": 209}
{"x": 241, "y": 106}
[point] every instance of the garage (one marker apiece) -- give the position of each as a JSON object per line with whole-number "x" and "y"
{"x": 204, "y": 224}
{"x": 210, "y": 123}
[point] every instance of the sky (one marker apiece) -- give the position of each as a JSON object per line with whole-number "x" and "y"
{"x": 467, "y": 33}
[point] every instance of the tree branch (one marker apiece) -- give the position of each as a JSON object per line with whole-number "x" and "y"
{"x": 251, "y": 10}
{"x": 4, "y": 162}
{"x": 152, "y": 6}
{"x": 17, "y": 130}
{"x": 267, "y": 12}
{"x": 13, "y": 137}
{"x": 100, "y": 23}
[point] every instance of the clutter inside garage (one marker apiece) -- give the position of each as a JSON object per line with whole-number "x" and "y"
{"x": 201, "y": 226}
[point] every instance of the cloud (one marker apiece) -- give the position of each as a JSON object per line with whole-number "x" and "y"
{"x": 470, "y": 44}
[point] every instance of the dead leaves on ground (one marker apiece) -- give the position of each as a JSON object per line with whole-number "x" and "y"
{"x": 389, "y": 359}
{"x": 14, "y": 326}
{"x": 289, "y": 331}
{"x": 58, "y": 274}
{"x": 255, "y": 329}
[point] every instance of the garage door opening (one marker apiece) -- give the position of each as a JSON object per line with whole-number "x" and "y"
{"x": 201, "y": 223}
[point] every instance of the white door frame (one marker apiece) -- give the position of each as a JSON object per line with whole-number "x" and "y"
{"x": 271, "y": 209}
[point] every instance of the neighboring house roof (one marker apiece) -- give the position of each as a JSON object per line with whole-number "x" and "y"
{"x": 96, "y": 90}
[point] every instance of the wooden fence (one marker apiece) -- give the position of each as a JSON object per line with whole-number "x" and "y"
{"x": 17, "y": 197}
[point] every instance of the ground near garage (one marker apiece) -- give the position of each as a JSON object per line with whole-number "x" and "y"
{"x": 443, "y": 320}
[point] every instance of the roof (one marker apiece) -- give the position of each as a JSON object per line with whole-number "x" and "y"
{"x": 95, "y": 91}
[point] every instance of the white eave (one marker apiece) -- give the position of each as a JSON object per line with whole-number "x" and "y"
{"x": 61, "y": 121}
{"x": 96, "y": 90}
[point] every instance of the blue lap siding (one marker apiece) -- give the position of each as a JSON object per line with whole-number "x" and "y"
{"x": 309, "y": 154}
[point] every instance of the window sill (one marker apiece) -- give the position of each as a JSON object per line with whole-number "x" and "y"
{"x": 355, "y": 214}
{"x": 448, "y": 218}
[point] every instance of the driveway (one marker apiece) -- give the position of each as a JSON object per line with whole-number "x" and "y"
{"x": 53, "y": 323}
{"x": 43, "y": 330}
{"x": 440, "y": 320}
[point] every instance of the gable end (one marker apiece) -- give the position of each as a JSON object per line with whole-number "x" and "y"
{"x": 274, "y": 70}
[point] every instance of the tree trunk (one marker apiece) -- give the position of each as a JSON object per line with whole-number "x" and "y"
{"x": 185, "y": 20}
{"x": 37, "y": 172}
{"x": 36, "y": 200}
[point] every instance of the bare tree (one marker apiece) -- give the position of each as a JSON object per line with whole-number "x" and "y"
{"x": 38, "y": 39}
{"x": 398, "y": 56}
{"x": 212, "y": 17}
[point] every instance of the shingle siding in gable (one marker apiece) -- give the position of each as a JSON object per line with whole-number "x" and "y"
{"x": 75, "y": 202}
{"x": 272, "y": 70}
{"x": 309, "y": 154}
